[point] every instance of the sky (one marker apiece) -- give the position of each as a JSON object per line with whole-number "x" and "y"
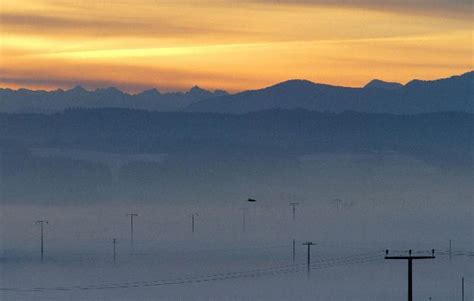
{"x": 230, "y": 44}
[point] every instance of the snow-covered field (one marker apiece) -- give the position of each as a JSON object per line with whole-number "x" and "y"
{"x": 221, "y": 262}
{"x": 350, "y": 209}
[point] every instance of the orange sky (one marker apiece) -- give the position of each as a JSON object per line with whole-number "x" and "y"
{"x": 229, "y": 44}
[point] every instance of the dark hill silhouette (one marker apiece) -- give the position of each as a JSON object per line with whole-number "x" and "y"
{"x": 450, "y": 94}
{"x": 380, "y": 84}
{"x": 28, "y": 101}
{"x": 446, "y": 135}
{"x": 209, "y": 154}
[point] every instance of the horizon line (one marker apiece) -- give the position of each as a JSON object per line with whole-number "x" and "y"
{"x": 184, "y": 91}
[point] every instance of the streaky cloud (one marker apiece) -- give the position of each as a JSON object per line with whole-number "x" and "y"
{"x": 445, "y": 8}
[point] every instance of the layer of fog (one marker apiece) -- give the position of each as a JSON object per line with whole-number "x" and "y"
{"x": 348, "y": 204}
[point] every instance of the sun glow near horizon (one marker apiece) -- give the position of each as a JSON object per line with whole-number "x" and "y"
{"x": 232, "y": 45}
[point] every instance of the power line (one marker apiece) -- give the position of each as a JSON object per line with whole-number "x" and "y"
{"x": 348, "y": 260}
{"x": 186, "y": 281}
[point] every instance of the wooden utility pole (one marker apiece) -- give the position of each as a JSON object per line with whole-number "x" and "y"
{"x": 450, "y": 249}
{"x": 410, "y": 259}
{"x": 308, "y": 259}
{"x": 41, "y": 223}
{"x": 193, "y": 215}
{"x": 294, "y": 251}
{"x": 293, "y": 208}
{"x": 114, "y": 241}
{"x": 132, "y": 215}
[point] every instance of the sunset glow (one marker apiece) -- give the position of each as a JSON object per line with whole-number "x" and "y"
{"x": 229, "y": 44}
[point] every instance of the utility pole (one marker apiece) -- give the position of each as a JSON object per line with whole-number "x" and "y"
{"x": 114, "y": 241}
{"x": 450, "y": 244}
{"x": 244, "y": 213}
{"x": 462, "y": 288}
{"x": 309, "y": 244}
{"x": 410, "y": 259}
{"x": 132, "y": 215}
{"x": 338, "y": 203}
{"x": 293, "y": 208}
{"x": 192, "y": 221}
{"x": 294, "y": 251}
{"x": 41, "y": 223}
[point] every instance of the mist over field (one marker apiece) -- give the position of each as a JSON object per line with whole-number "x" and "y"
{"x": 363, "y": 182}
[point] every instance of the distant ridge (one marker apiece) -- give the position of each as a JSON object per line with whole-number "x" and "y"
{"x": 449, "y": 94}
{"x": 28, "y": 101}
{"x": 380, "y": 84}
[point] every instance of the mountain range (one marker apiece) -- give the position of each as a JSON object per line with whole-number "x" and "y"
{"x": 29, "y": 101}
{"x": 449, "y": 94}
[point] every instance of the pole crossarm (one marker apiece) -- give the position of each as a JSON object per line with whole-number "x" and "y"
{"x": 410, "y": 259}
